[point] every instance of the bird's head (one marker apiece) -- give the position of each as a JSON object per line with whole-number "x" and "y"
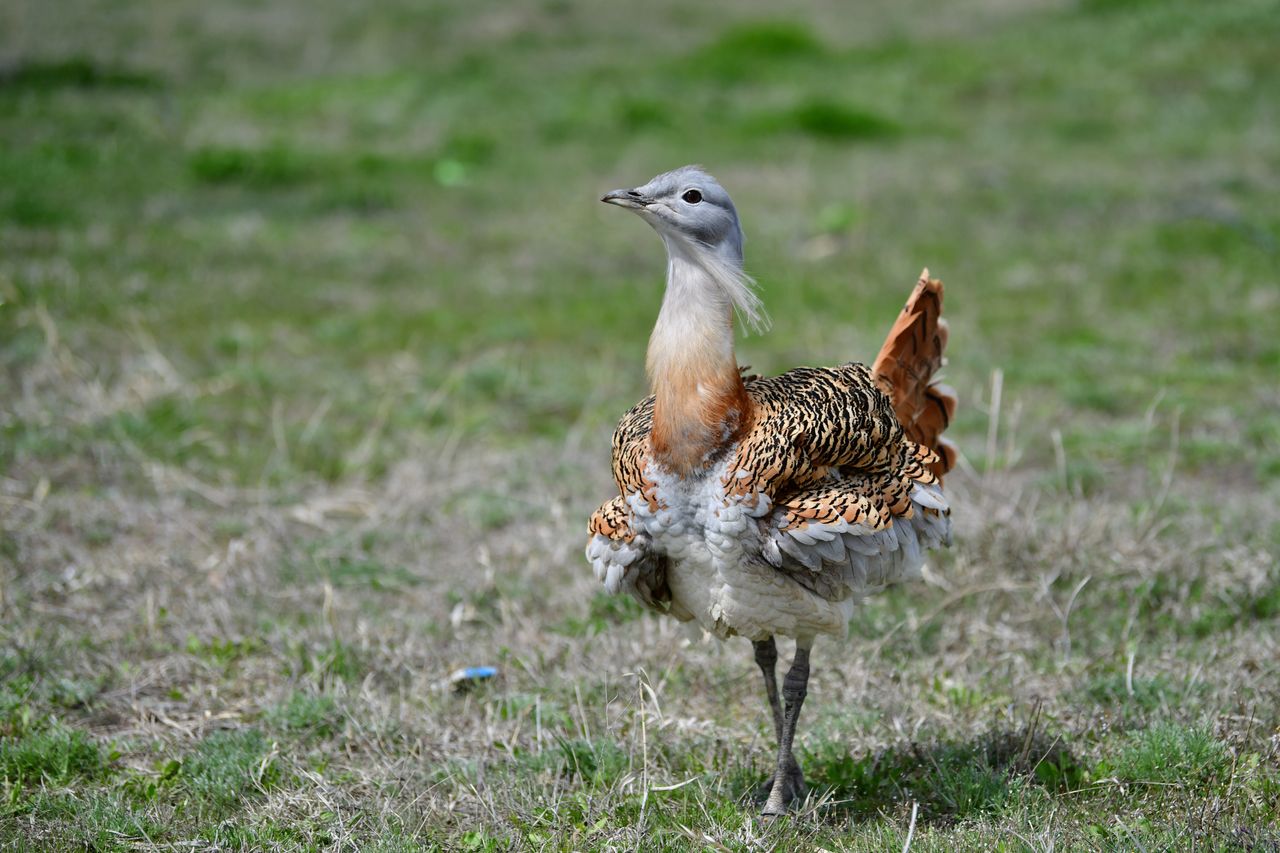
{"x": 688, "y": 207}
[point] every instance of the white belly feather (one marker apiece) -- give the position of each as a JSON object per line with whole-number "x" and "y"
{"x": 724, "y": 568}
{"x": 715, "y": 569}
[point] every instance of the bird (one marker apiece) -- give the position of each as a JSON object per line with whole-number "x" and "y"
{"x": 761, "y": 507}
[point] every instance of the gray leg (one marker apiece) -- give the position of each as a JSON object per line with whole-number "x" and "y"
{"x": 767, "y": 660}
{"x": 788, "y": 781}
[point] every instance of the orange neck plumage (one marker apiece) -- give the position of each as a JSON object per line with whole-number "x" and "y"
{"x": 701, "y": 404}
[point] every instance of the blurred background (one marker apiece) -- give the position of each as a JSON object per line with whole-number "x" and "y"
{"x": 313, "y": 333}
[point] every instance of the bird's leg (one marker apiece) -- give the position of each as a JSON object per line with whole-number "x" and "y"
{"x": 788, "y": 781}
{"x": 767, "y": 660}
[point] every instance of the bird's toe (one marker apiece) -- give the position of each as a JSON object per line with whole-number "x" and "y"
{"x": 772, "y": 811}
{"x": 777, "y": 794}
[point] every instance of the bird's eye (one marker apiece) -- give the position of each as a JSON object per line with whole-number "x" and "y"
{"x": 692, "y": 196}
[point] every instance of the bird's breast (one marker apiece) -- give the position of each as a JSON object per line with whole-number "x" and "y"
{"x": 695, "y": 516}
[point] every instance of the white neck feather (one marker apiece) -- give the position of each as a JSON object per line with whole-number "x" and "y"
{"x": 695, "y": 322}
{"x": 700, "y": 401}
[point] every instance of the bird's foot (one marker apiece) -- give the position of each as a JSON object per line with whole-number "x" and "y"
{"x": 777, "y": 795}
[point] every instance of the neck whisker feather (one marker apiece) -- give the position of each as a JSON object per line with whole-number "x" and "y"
{"x": 739, "y": 287}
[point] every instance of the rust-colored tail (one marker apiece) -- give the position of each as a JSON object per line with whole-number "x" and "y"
{"x": 905, "y": 367}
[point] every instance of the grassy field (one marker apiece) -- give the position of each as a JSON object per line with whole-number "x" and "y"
{"x": 313, "y": 333}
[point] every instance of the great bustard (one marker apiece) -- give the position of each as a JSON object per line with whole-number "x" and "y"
{"x": 768, "y": 506}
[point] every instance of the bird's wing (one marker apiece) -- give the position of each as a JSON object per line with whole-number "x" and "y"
{"x": 621, "y": 557}
{"x": 624, "y": 562}
{"x": 813, "y": 422}
{"x": 612, "y": 520}
{"x": 630, "y": 450}
{"x": 844, "y": 538}
{"x": 852, "y": 502}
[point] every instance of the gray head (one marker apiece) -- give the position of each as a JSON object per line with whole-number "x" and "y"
{"x": 689, "y": 205}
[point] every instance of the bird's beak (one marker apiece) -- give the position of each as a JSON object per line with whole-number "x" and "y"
{"x": 626, "y": 198}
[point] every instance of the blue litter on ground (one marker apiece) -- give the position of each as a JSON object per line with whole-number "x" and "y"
{"x": 463, "y": 678}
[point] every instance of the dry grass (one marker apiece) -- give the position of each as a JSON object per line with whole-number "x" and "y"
{"x": 329, "y": 617}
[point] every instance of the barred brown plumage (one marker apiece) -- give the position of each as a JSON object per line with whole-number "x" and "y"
{"x": 805, "y": 423}
{"x": 763, "y": 506}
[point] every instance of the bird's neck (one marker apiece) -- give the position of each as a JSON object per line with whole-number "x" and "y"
{"x": 701, "y": 405}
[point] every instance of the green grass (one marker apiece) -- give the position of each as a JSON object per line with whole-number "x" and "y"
{"x": 1172, "y": 754}
{"x": 316, "y": 715}
{"x": 53, "y": 757}
{"x": 312, "y": 334}
{"x": 226, "y": 769}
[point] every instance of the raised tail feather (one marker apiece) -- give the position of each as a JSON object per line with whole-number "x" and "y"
{"x": 904, "y": 369}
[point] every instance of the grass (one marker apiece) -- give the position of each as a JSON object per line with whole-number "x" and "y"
{"x": 52, "y": 757}
{"x": 312, "y": 336}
